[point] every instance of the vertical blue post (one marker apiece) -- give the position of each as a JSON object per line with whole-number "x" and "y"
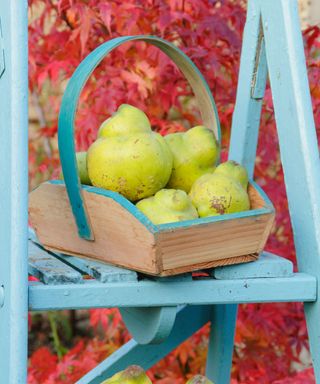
{"x": 298, "y": 144}
{"x": 13, "y": 191}
{"x": 243, "y": 146}
{"x": 250, "y": 92}
{"x": 221, "y": 342}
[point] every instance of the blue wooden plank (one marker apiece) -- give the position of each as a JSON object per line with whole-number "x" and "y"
{"x": 102, "y": 272}
{"x": 32, "y": 235}
{"x": 299, "y": 287}
{"x": 189, "y": 320}
{"x": 298, "y": 143}
{"x": 219, "y": 359}
{"x": 14, "y": 192}
{"x": 296, "y": 128}
{"x": 267, "y": 265}
{"x": 261, "y": 71}
{"x": 244, "y": 136}
{"x": 2, "y": 58}
{"x": 1, "y": 296}
{"x": 247, "y": 112}
{"x": 49, "y": 269}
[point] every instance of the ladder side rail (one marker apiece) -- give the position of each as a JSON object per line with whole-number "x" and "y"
{"x": 14, "y": 191}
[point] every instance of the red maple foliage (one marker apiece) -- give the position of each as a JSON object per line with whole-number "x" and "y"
{"x": 269, "y": 338}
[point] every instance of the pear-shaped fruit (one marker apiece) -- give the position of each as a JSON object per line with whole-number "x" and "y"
{"x": 129, "y": 158}
{"x": 81, "y": 158}
{"x": 235, "y": 170}
{"x": 168, "y": 206}
{"x": 199, "y": 379}
{"x": 216, "y": 194}
{"x": 127, "y": 118}
{"x": 82, "y": 167}
{"x": 114, "y": 379}
{"x": 132, "y": 375}
{"x": 195, "y": 153}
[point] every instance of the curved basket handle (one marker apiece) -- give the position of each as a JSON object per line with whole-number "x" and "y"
{"x": 69, "y": 105}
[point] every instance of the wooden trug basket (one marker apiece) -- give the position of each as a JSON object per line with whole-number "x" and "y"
{"x": 95, "y": 223}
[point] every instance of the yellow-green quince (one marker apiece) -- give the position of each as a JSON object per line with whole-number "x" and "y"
{"x": 235, "y": 170}
{"x": 199, "y": 379}
{"x": 81, "y": 158}
{"x": 217, "y": 194}
{"x": 127, "y": 118}
{"x": 128, "y": 157}
{"x": 195, "y": 153}
{"x": 132, "y": 375}
{"x": 168, "y": 206}
{"x": 82, "y": 167}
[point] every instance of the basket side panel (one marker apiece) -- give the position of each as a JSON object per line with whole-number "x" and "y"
{"x": 214, "y": 241}
{"x": 210, "y": 264}
{"x": 256, "y": 200}
{"x": 120, "y": 238}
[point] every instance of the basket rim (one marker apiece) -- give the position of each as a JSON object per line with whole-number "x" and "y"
{"x": 154, "y": 228}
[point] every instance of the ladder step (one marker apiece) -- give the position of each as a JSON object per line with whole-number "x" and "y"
{"x": 102, "y": 272}
{"x": 48, "y": 269}
{"x": 267, "y": 265}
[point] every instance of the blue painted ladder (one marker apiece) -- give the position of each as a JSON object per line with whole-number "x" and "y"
{"x": 273, "y": 43}
{"x": 62, "y": 286}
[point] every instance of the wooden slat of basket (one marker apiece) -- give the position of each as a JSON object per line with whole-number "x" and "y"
{"x": 210, "y": 264}
{"x": 210, "y": 246}
{"x": 119, "y": 236}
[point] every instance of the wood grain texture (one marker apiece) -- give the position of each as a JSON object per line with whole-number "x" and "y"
{"x": 211, "y": 264}
{"x": 212, "y": 242}
{"x": 215, "y": 244}
{"x": 256, "y": 200}
{"x": 122, "y": 240}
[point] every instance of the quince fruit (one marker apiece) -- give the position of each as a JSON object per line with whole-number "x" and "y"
{"x": 216, "y": 194}
{"x": 127, "y": 118}
{"x": 132, "y": 375}
{"x": 168, "y": 206}
{"x": 233, "y": 169}
{"x": 81, "y": 158}
{"x": 199, "y": 379}
{"x": 195, "y": 153}
{"x": 128, "y": 157}
{"x": 82, "y": 167}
